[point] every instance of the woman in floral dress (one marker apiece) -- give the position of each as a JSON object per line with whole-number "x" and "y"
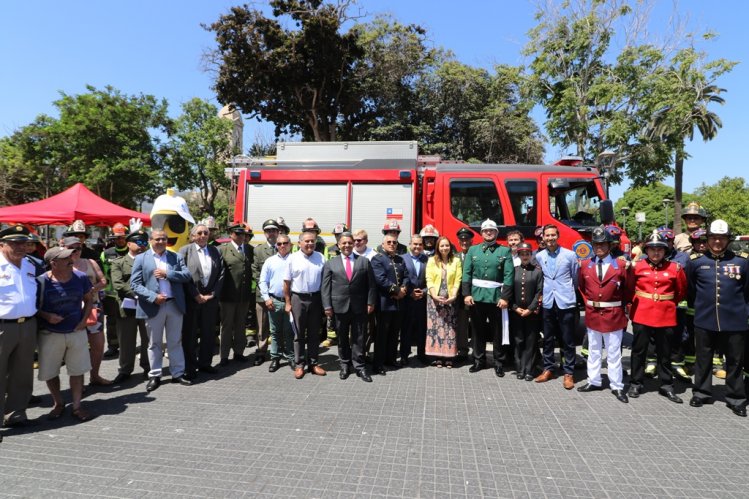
{"x": 443, "y": 273}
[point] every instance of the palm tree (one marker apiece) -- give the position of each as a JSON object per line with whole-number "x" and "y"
{"x": 688, "y": 94}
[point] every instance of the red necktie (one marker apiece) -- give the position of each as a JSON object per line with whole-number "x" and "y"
{"x": 349, "y": 272}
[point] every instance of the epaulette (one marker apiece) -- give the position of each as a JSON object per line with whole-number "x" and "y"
{"x": 695, "y": 256}
{"x": 743, "y": 254}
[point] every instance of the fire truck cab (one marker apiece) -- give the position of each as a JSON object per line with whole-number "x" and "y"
{"x": 366, "y": 183}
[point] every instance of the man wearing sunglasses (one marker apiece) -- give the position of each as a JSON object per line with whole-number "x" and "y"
{"x": 270, "y": 286}
{"x": 203, "y": 290}
{"x": 128, "y": 326}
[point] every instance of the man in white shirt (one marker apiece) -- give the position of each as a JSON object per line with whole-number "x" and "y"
{"x": 270, "y": 286}
{"x": 17, "y": 325}
{"x": 302, "y": 284}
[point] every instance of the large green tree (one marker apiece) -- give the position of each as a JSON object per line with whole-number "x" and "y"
{"x": 681, "y": 96}
{"x": 727, "y": 199}
{"x": 198, "y": 150}
{"x": 647, "y": 199}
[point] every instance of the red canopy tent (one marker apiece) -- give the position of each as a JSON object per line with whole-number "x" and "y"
{"x": 76, "y": 203}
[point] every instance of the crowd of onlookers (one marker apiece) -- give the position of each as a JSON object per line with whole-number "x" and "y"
{"x": 686, "y": 296}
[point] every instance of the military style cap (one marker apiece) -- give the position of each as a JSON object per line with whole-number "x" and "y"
{"x": 241, "y": 228}
{"x": 694, "y": 209}
{"x": 698, "y": 235}
{"x": 138, "y": 235}
{"x": 615, "y": 233}
{"x": 391, "y": 226}
{"x": 489, "y": 224}
{"x": 465, "y": 233}
{"x": 270, "y": 224}
{"x": 656, "y": 240}
{"x": 77, "y": 228}
{"x": 719, "y": 228}
{"x": 16, "y": 232}
{"x": 56, "y": 253}
{"x": 524, "y": 247}
{"x": 33, "y": 238}
{"x": 340, "y": 229}
{"x": 429, "y": 231}
{"x": 601, "y": 235}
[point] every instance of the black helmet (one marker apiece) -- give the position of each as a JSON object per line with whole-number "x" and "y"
{"x": 656, "y": 240}
{"x": 600, "y": 235}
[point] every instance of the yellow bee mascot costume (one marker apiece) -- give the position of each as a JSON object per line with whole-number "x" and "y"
{"x": 171, "y": 214}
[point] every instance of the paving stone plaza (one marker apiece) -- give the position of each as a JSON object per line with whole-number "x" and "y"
{"x": 416, "y": 432}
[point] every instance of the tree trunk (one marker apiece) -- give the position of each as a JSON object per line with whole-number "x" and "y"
{"x": 678, "y": 179}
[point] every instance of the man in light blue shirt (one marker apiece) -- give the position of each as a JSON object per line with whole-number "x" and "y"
{"x": 560, "y": 268}
{"x": 270, "y": 283}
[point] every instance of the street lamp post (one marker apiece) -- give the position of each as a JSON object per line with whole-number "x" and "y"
{"x": 666, "y": 202}
{"x": 625, "y": 212}
{"x": 640, "y": 219}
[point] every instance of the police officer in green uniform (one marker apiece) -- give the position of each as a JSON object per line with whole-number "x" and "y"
{"x": 488, "y": 274}
{"x": 718, "y": 290}
{"x": 260, "y": 254}
{"x": 236, "y": 294}
{"x": 462, "y": 332}
{"x": 110, "y": 302}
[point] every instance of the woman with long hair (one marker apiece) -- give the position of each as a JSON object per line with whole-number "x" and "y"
{"x": 444, "y": 272}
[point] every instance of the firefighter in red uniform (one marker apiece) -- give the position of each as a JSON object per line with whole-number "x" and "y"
{"x": 603, "y": 285}
{"x": 659, "y": 284}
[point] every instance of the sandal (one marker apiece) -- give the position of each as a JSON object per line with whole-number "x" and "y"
{"x": 81, "y": 415}
{"x": 55, "y": 413}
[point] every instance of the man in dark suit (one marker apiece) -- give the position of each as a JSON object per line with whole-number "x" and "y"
{"x": 236, "y": 293}
{"x": 414, "y": 329}
{"x": 203, "y": 290}
{"x": 393, "y": 283}
{"x": 128, "y": 326}
{"x": 349, "y": 294}
{"x": 157, "y": 280}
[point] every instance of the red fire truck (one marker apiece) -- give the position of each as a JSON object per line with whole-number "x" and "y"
{"x": 366, "y": 183}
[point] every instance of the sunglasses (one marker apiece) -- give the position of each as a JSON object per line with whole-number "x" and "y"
{"x": 283, "y": 244}
{"x": 359, "y": 240}
{"x": 141, "y": 243}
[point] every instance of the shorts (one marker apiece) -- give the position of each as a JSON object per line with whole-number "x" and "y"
{"x": 54, "y": 348}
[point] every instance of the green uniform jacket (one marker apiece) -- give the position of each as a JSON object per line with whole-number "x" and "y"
{"x": 261, "y": 253}
{"x": 121, "y": 270}
{"x": 108, "y": 256}
{"x": 490, "y": 262}
{"x": 237, "y": 273}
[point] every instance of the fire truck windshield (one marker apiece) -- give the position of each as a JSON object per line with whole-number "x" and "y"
{"x": 575, "y": 202}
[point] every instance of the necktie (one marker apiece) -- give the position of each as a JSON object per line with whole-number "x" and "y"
{"x": 349, "y": 272}
{"x": 600, "y": 269}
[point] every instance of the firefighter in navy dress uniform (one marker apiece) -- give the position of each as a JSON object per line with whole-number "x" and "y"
{"x": 718, "y": 290}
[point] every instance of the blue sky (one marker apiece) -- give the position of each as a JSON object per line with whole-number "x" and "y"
{"x": 155, "y": 47}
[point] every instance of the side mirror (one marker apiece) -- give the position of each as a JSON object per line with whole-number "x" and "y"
{"x": 607, "y": 212}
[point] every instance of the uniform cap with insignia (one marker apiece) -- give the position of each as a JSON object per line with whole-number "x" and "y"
{"x": 666, "y": 232}
{"x": 524, "y": 247}
{"x": 119, "y": 230}
{"x": 56, "y": 253}
{"x": 719, "y": 228}
{"x": 33, "y": 238}
{"x": 270, "y": 224}
{"x": 489, "y": 224}
{"x": 601, "y": 235}
{"x": 391, "y": 226}
{"x": 16, "y": 232}
{"x": 340, "y": 229}
{"x": 694, "y": 209}
{"x": 656, "y": 240}
{"x": 138, "y": 235}
{"x": 77, "y": 228}
{"x": 241, "y": 228}
{"x": 699, "y": 234}
{"x": 429, "y": 231}
{"x": 615, "y": 233}
{"x": 465, "y": 233}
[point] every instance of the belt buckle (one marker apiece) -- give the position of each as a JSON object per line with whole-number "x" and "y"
{"x": 22, "y": 320}
{"x": 597, "y": 304}
{"x": 656, "y": 297}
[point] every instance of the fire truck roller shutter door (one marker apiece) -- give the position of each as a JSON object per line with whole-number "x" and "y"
{"x": 372, "y": 204}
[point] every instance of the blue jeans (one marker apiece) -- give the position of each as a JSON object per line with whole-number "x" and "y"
{"x": 559, "y": 324}
{"x": 281, "y": 336}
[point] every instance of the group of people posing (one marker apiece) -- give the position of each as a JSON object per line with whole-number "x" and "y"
{"x": 428, "y": 294}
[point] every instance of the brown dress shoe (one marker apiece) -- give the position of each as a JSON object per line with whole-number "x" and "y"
{"x": 315, "y": 369}
{"x": 544, "y": 377}
{"x": 569, "y": 382}
{"x": 299, "y": 372}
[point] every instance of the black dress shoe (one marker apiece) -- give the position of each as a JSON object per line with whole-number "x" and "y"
{"x": 737, "y": 409}
{"x": 182, "y": 381}
{"x": 362, "y": 373}
{"x": 379, "y": 370}
{"x": 696, "y": 402}
{"x": 499, "y": 372}
{"x": 120, "y": 378}
{"x": 259, "y": 359}
{"x": 476, "y": 367}
{"x": 224, "y": 362}
{"x": 241, "y": 358}
{"x": 670, "y": 395}
{"x": 274, "y": 365}
{"x": 620, "y": 396}
{"x": 190, "y": 376}
{"x": 153, "y": 383}
{"x": 519, "y": 376}
{"x": 111, "y": 352}
{"x": 589, "y": 387}
{"x": 35, "y": 399}
{"x": 528, "y": 377}
{"x": 344, "y": 373}
{"x": 634, "y": 391}
{"x": 208, "y": 370}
